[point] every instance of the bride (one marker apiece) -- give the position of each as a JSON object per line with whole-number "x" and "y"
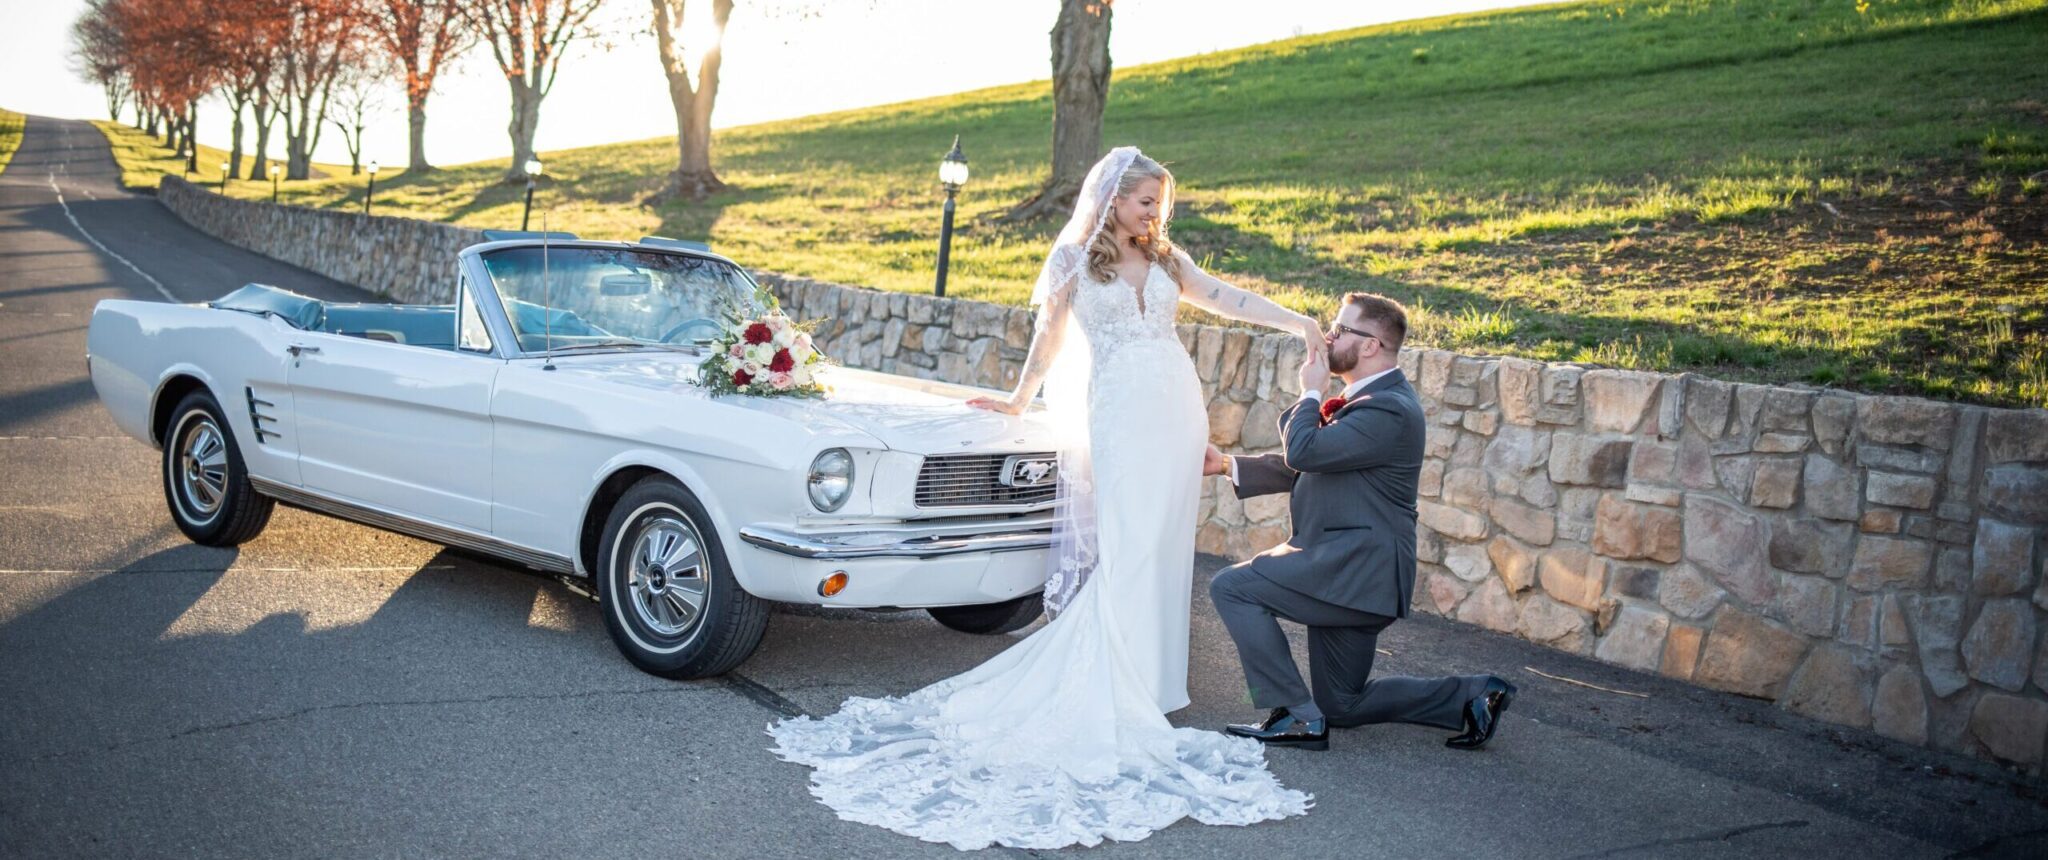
{"x": 1063, "y": 739}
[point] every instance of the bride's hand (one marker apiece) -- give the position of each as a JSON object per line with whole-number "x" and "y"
{"x": 994, "y": 405}
{"x": 1312, "y": 332}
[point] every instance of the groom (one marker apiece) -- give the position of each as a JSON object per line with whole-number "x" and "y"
{"x": 1352, "y": 463}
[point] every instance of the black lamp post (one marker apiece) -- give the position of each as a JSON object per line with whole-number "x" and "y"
{"x": 533, "y": 167}
{"x": 223, "y": 178}
{"x": 273, "y": 182}
{"x": 371, "y": 190}
{"x": 952, "y": 174}
{"x": 185, "y": 155}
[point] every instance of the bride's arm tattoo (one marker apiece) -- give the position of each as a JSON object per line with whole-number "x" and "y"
{"x": 1216, "y": 296}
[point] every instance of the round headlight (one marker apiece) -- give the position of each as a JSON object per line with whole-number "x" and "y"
{"x": 831, "y": 480}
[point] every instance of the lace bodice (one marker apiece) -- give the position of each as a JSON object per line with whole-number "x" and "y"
{"x": 1112, "y": 317}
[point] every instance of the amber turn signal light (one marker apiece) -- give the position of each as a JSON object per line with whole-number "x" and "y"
{"x": 832, "y": 584}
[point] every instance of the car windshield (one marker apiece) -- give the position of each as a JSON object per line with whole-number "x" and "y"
{"x": 598, "y": 298}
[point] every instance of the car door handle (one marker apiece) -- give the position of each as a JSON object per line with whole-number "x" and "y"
{"x": 297, "y": 350}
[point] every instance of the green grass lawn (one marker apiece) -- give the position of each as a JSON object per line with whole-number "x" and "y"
{"x": 1766, "y": 190}
{"x": 11, "y": 125}
{"x": 145, "y": 160}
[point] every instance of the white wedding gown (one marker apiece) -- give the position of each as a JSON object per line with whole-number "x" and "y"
{"x": 1062, "y": 739}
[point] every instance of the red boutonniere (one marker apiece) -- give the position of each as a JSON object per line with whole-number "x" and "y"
{"x": 1331, "y": 405}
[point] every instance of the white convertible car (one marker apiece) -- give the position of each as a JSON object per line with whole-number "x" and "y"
{"x": 550, "y": 417}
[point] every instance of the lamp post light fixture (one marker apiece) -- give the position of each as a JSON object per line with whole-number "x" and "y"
{"x": 952, "y": 174}
{"x": 533, "y": 167}
{"x": 223, "y": 178}
{"x": 371, "y": 190}
{"x": 273, "y": 182}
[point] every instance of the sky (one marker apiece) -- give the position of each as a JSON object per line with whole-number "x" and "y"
{"x": 783, "y": 58}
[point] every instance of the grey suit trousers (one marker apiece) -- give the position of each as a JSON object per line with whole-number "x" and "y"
{"x": 1341, "y": 645}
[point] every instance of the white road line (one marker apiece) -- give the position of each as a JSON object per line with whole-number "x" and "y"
{"x": 104, "y": 249}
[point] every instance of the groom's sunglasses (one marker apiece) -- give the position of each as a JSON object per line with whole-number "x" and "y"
{"x": 1336, "y": 327}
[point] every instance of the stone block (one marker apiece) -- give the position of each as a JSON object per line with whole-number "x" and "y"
{"x": 1806, "y": 603}
{"x": 1899, "y": 710}
{"x": 1466, "y": 489}
{"x": 1517, "y": 450}
{"x": 1882, "y": 562}
{"x": 1670, "y": 419}
{"x": 1881, "y": 522}
{"x": 1776, "y": 484}
{"x": 1832, "y": 491}
{"x": 1520, "y": 385}
{"x": 1430, "y": 483}
{"x": 2012, "y": 728}
{"x": 1429, "y": 546}
{"x": 1482, "y": 421}
{"x": 1537, "y": 490}
{"x": 1438, "y": 442}
{"x": 1589, "y": 461}
{"x": 1696, "y": 464}
{"x": 1781, "y": 443}
{"x": 1937, "y": 629}
{"x": 1952, "y": 570}
{"x": 1463, "y": 525}
{"x": 1706, "y": 405}
{"x": 1635, "y": 581}
{"x": 1444, "y": 593}
{"x": 1899, "y": 491}
{"x": 1688, "y": 592}
{"x": 1914, "y": 460}
{"x": 1560, "y": 400}
{"x": 1226, "y": 421}
{"x": 1547, "y": 622}
{"x": 1635, "y": 640}
{"x": 2016, "y": 492}
{"x": 1831, "y": 687}
{"x": 1906, "y": 421}
{"x": 1261, "y": 427}
{"x": 1624, "y": 530}
{"x": 1617, "y": 400}
{"x": 2000, "y": 648}
{"x": 1655, "y": 462}
{"x": 2016, "y": 435}
{"x": 2002, "y": 559}
{"x": 1811, "y": 546}
{"x": 1575, "y": 507}
{"x": 1682, "y": 651}
{"x": 1834, "y": 415}
{"x": 1491, "y": 607}
{"x": 1736, "y": 473}
{"x": 1533, "y": 525}
{"x": 1730, "y": 544}
{"x": 1515, "y": 563}
{"x": 1749, "y": 656}
{"x": 1669, "y": 497}
{"x": 1572, "y": 576}
{"x": 1785, "y": 410}
{"x": 1468, "y": 561}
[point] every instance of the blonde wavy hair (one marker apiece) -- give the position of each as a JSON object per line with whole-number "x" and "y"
{"x": 1103, "y": 253}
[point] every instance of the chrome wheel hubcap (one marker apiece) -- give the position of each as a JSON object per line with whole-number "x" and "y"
{"x": 667, "y": 577}
{"x": 203, "y": 467}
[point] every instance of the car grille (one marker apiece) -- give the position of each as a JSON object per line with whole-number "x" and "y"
{"x": 976, "y": 480}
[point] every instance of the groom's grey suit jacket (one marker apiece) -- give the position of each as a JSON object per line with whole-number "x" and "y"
{"x": 1354, "y": 483}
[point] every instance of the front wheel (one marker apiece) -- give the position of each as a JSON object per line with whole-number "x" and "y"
{"x": 671, "y": 602}
{"x": 205, "y": 482}
{"x": 991, "y": 618}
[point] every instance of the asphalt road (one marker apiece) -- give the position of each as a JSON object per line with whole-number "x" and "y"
{"x": 329, "y": 690}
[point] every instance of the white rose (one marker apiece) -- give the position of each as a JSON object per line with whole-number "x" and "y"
{"x": 785, "y": 337}
{"x": 760, "y": 353}
{"x": 801, "y": 375}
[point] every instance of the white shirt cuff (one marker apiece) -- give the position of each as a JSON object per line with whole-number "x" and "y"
{"x": 1312, "y": 395}
{"x": 1230, "y": 468}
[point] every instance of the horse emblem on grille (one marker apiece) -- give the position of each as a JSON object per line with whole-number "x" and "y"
{"x": 1026, "y": 471}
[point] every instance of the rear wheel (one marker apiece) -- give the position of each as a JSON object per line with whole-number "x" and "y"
{"x": 991, "y": 618}
{"x": 205, "y": 482}
{"x": 671, "y": 602}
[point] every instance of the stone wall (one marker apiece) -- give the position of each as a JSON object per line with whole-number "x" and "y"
{"x": 1869, "y": 561}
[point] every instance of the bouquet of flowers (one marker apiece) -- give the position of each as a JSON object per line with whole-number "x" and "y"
{"x": 767, "y": 355}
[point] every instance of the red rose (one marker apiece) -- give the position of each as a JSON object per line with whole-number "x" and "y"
{"x": 781, "y": 363}
{"x": 1330, "y": 407}
{"x": 759, "y": 333}
{"x": 741, "y": 378}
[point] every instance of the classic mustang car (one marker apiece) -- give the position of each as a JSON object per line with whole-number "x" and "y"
{"x": 550, "y": 417}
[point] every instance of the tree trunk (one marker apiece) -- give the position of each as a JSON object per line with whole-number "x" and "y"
{"x": 416, "y": 130}
{"x": 264, "y": 117}
{"x": 192, "y": 136}
{"x": 235, "y": 136}
{"x": 525, "y": 118}
{"x": 1080, "y": 91}
{"x": 693, "y": 178}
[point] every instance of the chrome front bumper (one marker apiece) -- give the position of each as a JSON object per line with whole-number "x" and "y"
{"x": 911, "y": 540}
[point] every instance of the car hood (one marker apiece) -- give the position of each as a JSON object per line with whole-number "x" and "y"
{"x": 903, "y": 413}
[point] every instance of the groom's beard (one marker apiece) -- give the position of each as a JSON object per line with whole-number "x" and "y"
{"x": 1342, "y": 362}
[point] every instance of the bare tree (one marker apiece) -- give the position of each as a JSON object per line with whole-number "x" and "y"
{"x": 1080, "y": 91}
{"x": 419, "y": 36}
{"x": 358, "y": 93}
{"x": 97, "y": 55}
{"x": 693, "y": 177}
{"x": 250, "y": 45}
{"x": 528, "y": 38}
{"x": 324, "y": 36}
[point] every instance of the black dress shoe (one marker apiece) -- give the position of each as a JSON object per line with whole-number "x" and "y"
{"x": 1282, "y": 729}
{"x": 1482, "y": 715}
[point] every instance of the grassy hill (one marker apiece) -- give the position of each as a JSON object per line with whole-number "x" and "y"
{"x": 11, "y": 125}
{"x": 1842, "y": 193}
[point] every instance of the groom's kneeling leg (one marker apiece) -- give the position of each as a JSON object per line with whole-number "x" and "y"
{"x": 1269, "y": 670}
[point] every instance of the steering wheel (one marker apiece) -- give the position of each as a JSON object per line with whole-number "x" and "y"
{"x": 712, "y": 324}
